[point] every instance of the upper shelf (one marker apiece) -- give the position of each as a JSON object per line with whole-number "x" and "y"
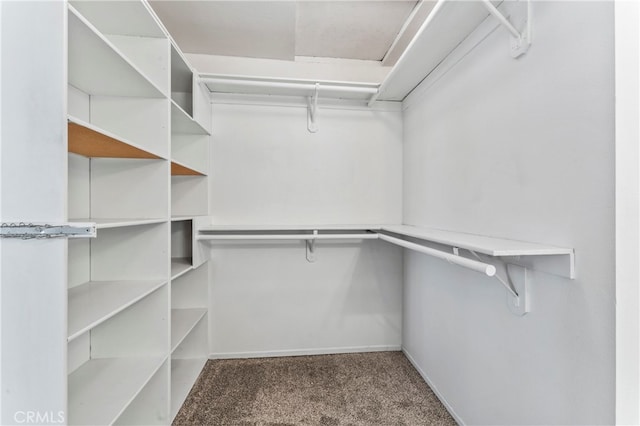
{"x": 288, "y": 87}
{"x": 448, "y": 24}
{"x": 179, "y": 169}
{"x": 183, "y": 123}
{"x": 127, "y": 18}
{"x": 92, "y": 141}
{"x": 98, "y": 67}
{"x": 478, "y": 243}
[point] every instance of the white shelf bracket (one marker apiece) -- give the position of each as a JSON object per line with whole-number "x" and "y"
{"x": 311, "y": 247}
{"x": 516, "y": 282}
{"x": 520, "y": 15}
{"x": 312, "y": 110}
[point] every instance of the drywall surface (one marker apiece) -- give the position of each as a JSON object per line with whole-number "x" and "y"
{"x": 520, "y": 149}
{"x": 267, "y": 169}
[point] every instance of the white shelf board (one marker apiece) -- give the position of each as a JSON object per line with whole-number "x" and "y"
{"x": 244, "y": 85}
{"x": 195, "y": 169}
{"x": 182, "y": 123}
{"x": 180, "y": 266}
{"x": 232, "y": 228}
{"x": 128, "y": 18}
{"x": 119, "y": 222}
{"x": 181, "y": 218}
{"x": 478, "y": 243}
{"x": 101, "y": 389}
{"x": 184, "y": 373}
{"x": 97, "y": 67}
{"x": 182, "y": 322}
{"x": 97, "y": 129}
{"x": 449, "y": 23}
{"x": 94, "y": 302}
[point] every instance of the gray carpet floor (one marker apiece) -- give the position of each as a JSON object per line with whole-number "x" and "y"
{"x": 363, "y": 389}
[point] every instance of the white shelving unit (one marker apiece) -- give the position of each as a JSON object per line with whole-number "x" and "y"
{"x": 137, "y": 137}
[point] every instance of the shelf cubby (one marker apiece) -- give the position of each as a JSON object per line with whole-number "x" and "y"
{"x": 94, "y": 302}
{"x": 180, "y": 266}
{"x": 151, "y": 405}
{"x": 184, "y": 373}
{"x": 98, "y": 67}
{"x": 178, "y": 169}
{"x": 183, "y": 123}
{"x": 183, "y": 322}
{"x": 90, "y": 141}
{"x": 101, "y": 389}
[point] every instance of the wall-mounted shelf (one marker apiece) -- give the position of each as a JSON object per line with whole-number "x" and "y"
{"x": 91, "y": 141}
{"x": 97, "y": 67}
{"x": 119, "y": 222}
{"x": 94, "y": 302}
{"x": 101, "y": 389}
{"x": 478, "y": 243}
{"x": 178, "y": 169}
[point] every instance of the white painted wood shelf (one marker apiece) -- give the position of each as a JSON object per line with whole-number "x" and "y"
{"x": 447, "y": 25}
{"x": 182, "y": 123}
{"x": 180, "y": 266}
{"x": 478, "y": 243}
{"x": 184, "y": 373}
{"x": 306, "y": 227}
{"x": 183, "y": 322}
{"x": 92, "y": 303}
{"x": 180, "y": 218}
{"x": 101, "y": 389}
{"x": 119, "y": 222}
{"x": 97, "y": 67}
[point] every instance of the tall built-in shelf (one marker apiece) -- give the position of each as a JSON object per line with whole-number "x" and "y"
{"x": 138, "y": 139}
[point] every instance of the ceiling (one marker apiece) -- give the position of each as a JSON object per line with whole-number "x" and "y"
{"x": 286, "y": 30}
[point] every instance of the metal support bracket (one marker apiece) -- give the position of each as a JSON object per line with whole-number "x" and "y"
{"x": 312, "y": 110}
{"x": 519, "y": 278}
{"x": 28, "y": 231}
{"x": 311, "y": 247}
{"x": 519, "y": 26}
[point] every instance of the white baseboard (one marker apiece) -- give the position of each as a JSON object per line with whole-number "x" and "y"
{"x": 302, "y": 352}
{"x": 446, "y": 404}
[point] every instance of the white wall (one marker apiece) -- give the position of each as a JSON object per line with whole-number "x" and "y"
{"x": 627, "y": 17}
{"x": 266, "y": 299}
{"x": 521, "y": 149}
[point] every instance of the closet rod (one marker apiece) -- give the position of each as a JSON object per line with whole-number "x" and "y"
{"x": 475, "y": 265}
{"x": 287, "y": 85}
{"x": 288, "y": 237}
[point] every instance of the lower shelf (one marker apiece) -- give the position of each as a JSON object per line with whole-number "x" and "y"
{"x": 182, "y": 322}
{"x": 184, "y": 373}
{"x": 180, "y": 266}
{"x": 101, "y": 389}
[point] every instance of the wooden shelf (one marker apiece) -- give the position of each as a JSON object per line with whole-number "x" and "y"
{"x": 97, "y": 67}
{"x": 180, "y": 266}
{"x": 184, "y": 373}
{"x": 101, "y": 389}
{"x": 182, "y": 123}
{"x": 91, "y": 141}
{"x": 182, "y": 322}
{"x": 478, "y": 243}
{"x": 178, "y": 169}
{"x": 92, "y": 303}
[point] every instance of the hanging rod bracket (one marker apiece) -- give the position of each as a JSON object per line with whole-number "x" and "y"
{"x": 312, "y": 110}
{"x": 520, "y": 17}
{"x": 311, "y": 247}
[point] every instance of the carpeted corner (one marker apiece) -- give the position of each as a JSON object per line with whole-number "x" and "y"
{"x": 363, "y": 389}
